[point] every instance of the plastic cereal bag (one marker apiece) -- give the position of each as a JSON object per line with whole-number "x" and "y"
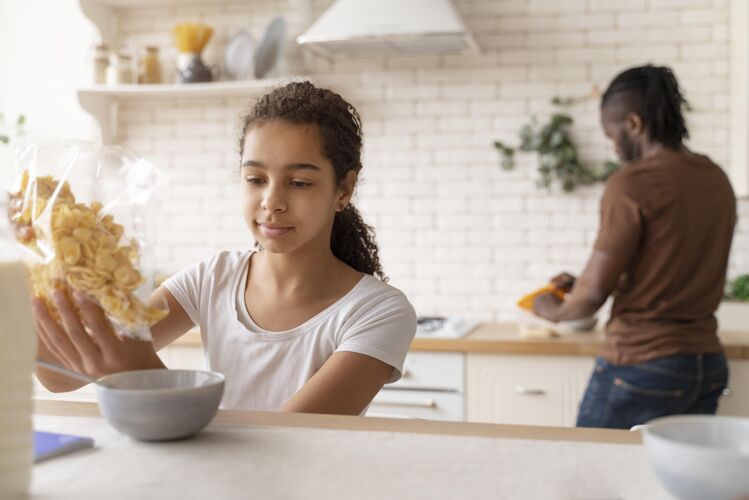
{"x": 81, "y": 213}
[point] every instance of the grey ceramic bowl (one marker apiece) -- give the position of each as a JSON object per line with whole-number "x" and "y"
{"x": 701, "y": 457}
{"x": 162, "y": 404}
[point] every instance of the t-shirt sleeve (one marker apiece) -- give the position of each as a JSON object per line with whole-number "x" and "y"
{"x": 621, "y": 223}
{"x": 384, "y": 332}
{"x": 186, "y": 287}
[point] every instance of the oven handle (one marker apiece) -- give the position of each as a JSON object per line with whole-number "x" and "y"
{"x": 427, "y": 403}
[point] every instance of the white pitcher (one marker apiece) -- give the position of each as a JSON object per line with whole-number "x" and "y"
{"x": 17, "y": 352}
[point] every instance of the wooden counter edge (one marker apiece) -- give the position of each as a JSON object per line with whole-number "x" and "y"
{"x": 373, "y": 424}
{"x": 551, "y": 347}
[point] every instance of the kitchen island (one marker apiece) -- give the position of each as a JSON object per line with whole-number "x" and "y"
{"x": 282, "y": 455}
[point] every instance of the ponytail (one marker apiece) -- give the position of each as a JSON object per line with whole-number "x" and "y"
{"x": 352, "y": 241}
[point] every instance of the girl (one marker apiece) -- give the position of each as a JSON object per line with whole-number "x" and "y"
{"x": 305, "y": 321}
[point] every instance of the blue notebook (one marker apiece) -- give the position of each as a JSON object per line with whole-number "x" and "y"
{"x": 50, "y": 444}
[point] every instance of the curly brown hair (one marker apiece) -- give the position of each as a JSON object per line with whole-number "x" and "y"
{"x": 351, "y": 240}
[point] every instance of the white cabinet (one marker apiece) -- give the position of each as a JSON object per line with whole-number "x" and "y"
{"x": 735, "y": 400}
{"x": 444, "y": 371}
{"x": 525, "y": 390}
{"x": 432, "y": 387}
{"x": 181, "y": 356}
{"x": 546, "y": 390}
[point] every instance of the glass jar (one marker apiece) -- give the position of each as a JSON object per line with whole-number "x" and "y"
{"x": 100, "y": 64}
{"x": 119, "y": 70}
{"x": 18, "y": 341}
{"x": 149, "y": 67}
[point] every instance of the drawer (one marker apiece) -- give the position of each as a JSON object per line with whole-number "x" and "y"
{"x": 531, "y": 401}
{"x": 526, "y": 390}
{"x": 431, "y": 405}
{"x": 433, "y": 370}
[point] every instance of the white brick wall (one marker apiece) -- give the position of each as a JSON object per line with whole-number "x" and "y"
{"x": 457, "y": 234}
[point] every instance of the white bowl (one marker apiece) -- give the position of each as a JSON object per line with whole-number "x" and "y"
{"x": 700, "y": 457}
{"x": 162, "y": 404}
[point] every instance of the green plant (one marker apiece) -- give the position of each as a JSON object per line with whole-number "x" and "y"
{"x": 557, "y": 154}
{"x": 738, "y": 289}
{"x": 5, "y": 135}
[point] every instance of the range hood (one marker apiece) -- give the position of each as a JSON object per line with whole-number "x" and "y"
{"x": 388, "y": 27}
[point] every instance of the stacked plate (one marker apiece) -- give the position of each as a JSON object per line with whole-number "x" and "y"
{"x": 243, "y": 60}
{"x": 239, "y": 56}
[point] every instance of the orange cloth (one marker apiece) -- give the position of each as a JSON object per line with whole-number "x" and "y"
{"x": 526, "y": 302}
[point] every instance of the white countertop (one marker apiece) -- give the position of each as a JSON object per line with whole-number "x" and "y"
{"x": 250, "y": 455}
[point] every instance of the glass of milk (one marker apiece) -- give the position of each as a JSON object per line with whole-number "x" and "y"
{"x": 17, "y": 353}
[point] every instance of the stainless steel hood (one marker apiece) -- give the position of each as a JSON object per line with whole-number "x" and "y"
{"x": 388, "y": 27}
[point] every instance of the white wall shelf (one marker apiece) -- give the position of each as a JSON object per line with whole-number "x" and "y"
{"x": 176, "y": 90}
{"x": 131, "y": 4}
{"x": 102, "y": 101}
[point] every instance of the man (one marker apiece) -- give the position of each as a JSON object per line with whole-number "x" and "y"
{"x": 667, "y": 220}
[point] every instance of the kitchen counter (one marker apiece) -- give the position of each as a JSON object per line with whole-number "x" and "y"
{"x": 272, "y": 455}
{"x": 503, "y": 338}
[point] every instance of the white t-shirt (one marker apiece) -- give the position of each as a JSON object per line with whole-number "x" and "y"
{"x": 264, "y": 369}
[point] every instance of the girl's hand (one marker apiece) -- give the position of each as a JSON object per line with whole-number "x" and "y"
{"x": 24, "y": 232}
{"x": 97, "y": 354}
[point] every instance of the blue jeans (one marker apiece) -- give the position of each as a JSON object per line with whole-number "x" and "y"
{"x": 621, "y": 396}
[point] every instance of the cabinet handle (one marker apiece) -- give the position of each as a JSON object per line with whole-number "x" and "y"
{"x": 519, "y": 389}
{"x": 427, "y": 403}
{"x": 727, "y": 391}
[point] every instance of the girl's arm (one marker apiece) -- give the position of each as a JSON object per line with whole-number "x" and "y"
{"x": 173, "y": 326}
{"x": 344, "y": 385}
{"x": 102, "y": 352}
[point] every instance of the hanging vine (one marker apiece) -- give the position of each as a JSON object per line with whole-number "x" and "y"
{"x": 558, "y": 159}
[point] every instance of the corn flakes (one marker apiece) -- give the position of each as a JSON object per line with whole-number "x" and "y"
{"x": 89, "y": 254}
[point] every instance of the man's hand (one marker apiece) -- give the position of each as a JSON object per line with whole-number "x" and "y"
{"x": 546, "y": 306}
{"x": 588, "y": 294}
{"x": 564, "y": 282}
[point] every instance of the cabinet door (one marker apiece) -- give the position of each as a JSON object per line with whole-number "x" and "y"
{"x": 736, "y": 399}
{"x": 526, "y": 390}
